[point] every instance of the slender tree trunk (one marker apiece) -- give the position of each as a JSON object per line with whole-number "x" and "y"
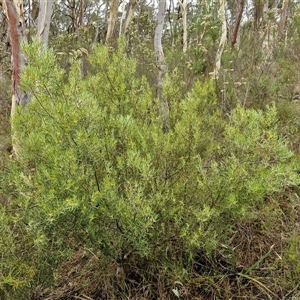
{"x": 17, "y": 34}
{"x": 222, "y": 40}
{"x": 236, "y": 29}
{"x": 129, "y": 15}
{"x": 34, "y": 11}
{"x": 44, "y": 20}
{"x": 257, "y": 14}
{"x": 123, "y": 6}
{"x": 183, "y": 5}
{"x": 161, "y": 64}
{"x": 282, "y": 21}
{"x": 171, "y": 20}
{"x": 74, "y": 16}
{"x": 29, "y": 14}
{"x": 266, "y": 26}
{"x": 16, "y": 28}
{"x": 112, "y": 20}
{"x": 81, "y": 13}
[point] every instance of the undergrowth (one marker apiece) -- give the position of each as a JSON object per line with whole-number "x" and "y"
{"x": 106, "y": 205}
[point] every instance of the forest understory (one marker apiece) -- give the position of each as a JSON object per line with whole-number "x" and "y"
{"x": 149, "y": 150}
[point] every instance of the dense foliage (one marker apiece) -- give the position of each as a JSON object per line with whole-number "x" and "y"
{"x": 112, "y": 195}
{"x": 97, "y": 175}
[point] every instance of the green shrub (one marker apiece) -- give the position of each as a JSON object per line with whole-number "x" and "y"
{"x": 96, "y": 171}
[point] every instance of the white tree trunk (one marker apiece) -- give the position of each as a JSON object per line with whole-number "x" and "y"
{"x": 122, "y": 16}
{"x": 44, "y": 20}
{"x": 183, "y": 6}
{"x": 222, "y": 40}
{"x": 161, "y": 64}
{"x": 112, "y": 20}
{"x": 129, "y": 15}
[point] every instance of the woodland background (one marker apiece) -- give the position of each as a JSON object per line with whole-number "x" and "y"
{"x": 149, "y": 150}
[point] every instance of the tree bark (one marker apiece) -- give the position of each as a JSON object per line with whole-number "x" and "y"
{"x": 122, "y": 16}
{"x": 129, "y": 15}
{"x": 44, "y": 20}
{"x": 183, "y": 5}
{"x": 258, "y": 11}
{"x": 222, "y": 40}
{"x": 16, "y": 29}
{"x": 282, "y": 21}
{"x": 161, "y": 64}
{"x": 17, "y": 34}
{"x": 238, "y": 18}
{"x": 112, "y": 20}
{"x": 81, "y": 13}
{"x": 266, "y": 25}
{"x": 34, "y": 10}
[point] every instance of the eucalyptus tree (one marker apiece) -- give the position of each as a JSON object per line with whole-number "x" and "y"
{"x": 283, "y": 18}
{"x": 14, "y": 10}
{"x": 124, "y": 24}
{"x": 183, "y": 5}
{"x": 223, "y": 39}
{"x": 113, "y": 15}
{"x": 236, "y": 10}
{"x": 44, "y": 20}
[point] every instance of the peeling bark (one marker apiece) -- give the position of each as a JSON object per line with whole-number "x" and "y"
{"x": 16, "y": 29}
{"x": 16, "y": 32}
